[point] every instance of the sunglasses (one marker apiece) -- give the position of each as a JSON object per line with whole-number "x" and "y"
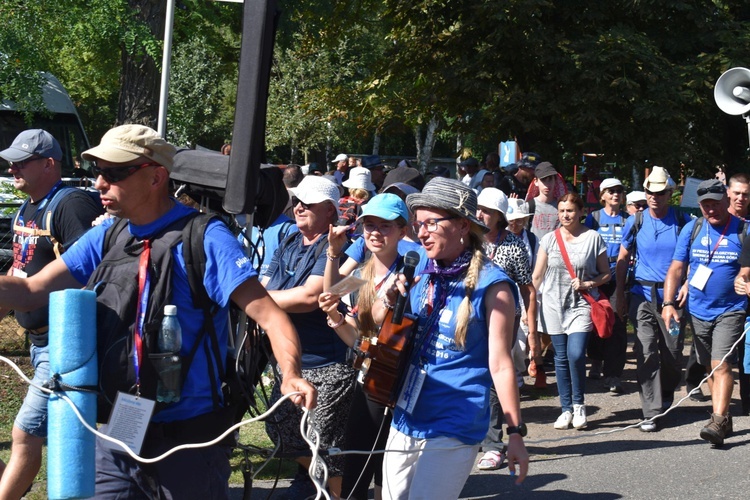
{"x": 306, "y": 206}
{"x": 614, "y": 190}
{"x": 660, "y": 193}
{"x": 117, "y": 174}
{"x": 712, "y": 189}
{"x": 640, "y": 206}
{"x": 20, "y": 165}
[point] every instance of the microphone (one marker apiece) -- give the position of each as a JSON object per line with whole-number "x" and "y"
{"x": 411, "y": 259}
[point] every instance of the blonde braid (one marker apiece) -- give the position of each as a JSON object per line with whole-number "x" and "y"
{"x": 470, "y": 283}
{"x": 365, "y": 299}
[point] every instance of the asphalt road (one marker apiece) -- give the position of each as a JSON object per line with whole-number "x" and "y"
{"x": 608, "y": 461}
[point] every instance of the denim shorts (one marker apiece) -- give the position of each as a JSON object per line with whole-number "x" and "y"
{"x": 32, "y": 417}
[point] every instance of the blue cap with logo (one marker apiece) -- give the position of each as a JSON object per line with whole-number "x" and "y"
{"x": 32, "y": 142}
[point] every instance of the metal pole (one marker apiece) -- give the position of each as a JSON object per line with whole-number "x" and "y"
{"x": 165, "y": 67}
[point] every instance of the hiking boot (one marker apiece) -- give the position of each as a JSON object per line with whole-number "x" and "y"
{"x": 564, "y": 420}
{"x": 596, "y": 369}
{"x": 579, "y": 417}
{"x": 717, "y": 428}
{"x": 541, "y": 380}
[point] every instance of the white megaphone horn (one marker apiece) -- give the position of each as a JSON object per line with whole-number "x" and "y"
{"x": 732, "y": 91}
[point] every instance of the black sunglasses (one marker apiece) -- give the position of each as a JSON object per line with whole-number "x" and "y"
{"x": 306, "y": 206}
{"x": 117, "y": 174}
{"x": 713, "y": 189}
{"x": 660, "y": 193}
{"x": 617, "y": 190}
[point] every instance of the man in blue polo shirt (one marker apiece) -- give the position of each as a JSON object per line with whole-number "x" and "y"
{"x": 717, "y": 313}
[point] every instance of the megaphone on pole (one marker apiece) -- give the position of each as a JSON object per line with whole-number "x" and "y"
{"x": 732, "y": 93}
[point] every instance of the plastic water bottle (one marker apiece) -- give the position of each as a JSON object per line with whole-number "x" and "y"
{"x": 169, "y": 366}
{"x": 674, "y": 327}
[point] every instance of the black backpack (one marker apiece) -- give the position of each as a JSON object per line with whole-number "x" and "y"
{"x": 116, "y": 285}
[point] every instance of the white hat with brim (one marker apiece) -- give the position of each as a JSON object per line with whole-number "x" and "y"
{"x": 517, "y": 209}
{"x": 359, "y": 178}
{"x": 635, "y": 196}
{"x": 339, "y": 157}
{"x": 609, "y": 183}
{"x": 127, "y": 143}
{"x": 494, "y": 199}
{"x": 316, "y": 189}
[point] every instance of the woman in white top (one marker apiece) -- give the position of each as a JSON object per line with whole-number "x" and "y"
{"x": 565, "y": 313}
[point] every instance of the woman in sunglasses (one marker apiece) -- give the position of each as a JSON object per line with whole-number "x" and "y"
{"x": 383, "y": 222}
{"x": 608, "y": 355}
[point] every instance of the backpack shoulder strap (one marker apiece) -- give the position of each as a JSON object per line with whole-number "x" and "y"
{"x": 596, "y": 216}
{"x": 696, "y": 229}
{"x": 47, "y": 226}
{"x": 112, "y": 234}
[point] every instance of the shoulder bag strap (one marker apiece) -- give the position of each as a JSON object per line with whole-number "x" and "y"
{"x": 564, "y": 253}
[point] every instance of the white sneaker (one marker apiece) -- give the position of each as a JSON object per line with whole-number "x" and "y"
{"x": 579, "y": 417}
{"x": 563, "y": 421}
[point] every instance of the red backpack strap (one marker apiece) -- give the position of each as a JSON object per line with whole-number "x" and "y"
{"x": 564, "y": 253}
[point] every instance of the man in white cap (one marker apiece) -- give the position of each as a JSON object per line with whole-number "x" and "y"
{"x": 295, "y": 280}
{"x": 52, "y": 219}
{"x": 711, "y": 247}
{"x": 341, "y": 168}
{"x": 132, "y": 165}
{"x": 608, "y": 355}
{"x": 652, "y": 236}
{"x": 636, "y": 202}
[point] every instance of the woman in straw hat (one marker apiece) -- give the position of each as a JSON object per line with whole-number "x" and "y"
{"x": 465, "y": 307}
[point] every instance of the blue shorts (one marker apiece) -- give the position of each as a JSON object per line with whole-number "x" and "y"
{"x": 32, "y": 417}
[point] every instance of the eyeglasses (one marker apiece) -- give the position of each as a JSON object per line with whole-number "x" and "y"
{"x": 614, "y": 190}
{"x": 430, "y": 224}
{"x": 640, "y": 206}
{"x": 660, "y": 193}
{"x": 384, "y": 229}
{"x": 306, "y": 206}
{"x": 712, "y": 189}
{"x": 117, "y": 174}
{"x": 20, "y": 165}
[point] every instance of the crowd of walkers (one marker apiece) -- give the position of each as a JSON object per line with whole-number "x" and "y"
{"x": 506, "y": 259}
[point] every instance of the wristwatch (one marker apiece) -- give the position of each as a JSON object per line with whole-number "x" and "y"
{"x": 518, "y": 429}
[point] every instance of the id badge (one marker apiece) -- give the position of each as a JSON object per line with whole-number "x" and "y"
{"x": 18, "y": 273}
{"x": 700, "y": 278}
{"x": 129, "y": 420}
{"x": 413, "y": 386}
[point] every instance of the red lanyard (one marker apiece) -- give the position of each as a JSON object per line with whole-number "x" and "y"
{"x": 712, "y": 252}
{"x": 144, "y": 284}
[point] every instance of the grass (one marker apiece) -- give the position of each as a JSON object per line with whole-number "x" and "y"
{"x": 256, "y": 449}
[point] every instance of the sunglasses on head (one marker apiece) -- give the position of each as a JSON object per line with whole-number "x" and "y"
{"x": 117, "y": 174}
{"x": 712, "y": 189}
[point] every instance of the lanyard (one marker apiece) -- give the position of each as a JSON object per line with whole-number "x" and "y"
{"x": 712, "y": 252}
{"x": 26, "y": 240}
{"x": 144, "y": 284}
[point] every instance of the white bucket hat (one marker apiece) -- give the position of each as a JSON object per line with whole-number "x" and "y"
{"x": 316, "y": 189}
{"x": 493, "y": 199}
{"x": 517, "y": 209}
{"x": 359, "y": 177}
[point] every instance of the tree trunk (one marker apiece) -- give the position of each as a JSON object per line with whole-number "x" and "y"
{"x": 418, "y": 141}
{"x": 140, "y": 79}
{"x": 429, "y": 141}
{"x": 376, "y": 143}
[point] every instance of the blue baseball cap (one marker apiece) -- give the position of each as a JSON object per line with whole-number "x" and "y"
{"x": 33, "y": 142}
{"x": 387, "y": 206}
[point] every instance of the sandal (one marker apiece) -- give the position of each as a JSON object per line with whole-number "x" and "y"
{"x": 492, "y": 460}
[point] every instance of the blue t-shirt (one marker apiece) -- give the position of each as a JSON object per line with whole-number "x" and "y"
{"x": 656, "y": 242}
{"x": 227, "y": 267}
{"x": 454, "y": 399}
{"x": 273, "y": 235}
{"x": 610, "y": 229}
{"x": 292, "y": 264}
{"x": 717, "y": 248}
{"x": 357, "y": 250}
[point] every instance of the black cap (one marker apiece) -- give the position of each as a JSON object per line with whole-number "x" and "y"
{"x": 544, "y": 169}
